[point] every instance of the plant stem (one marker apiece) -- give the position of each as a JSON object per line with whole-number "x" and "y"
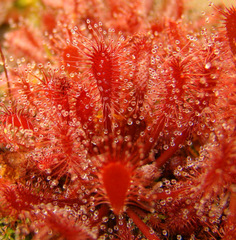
{"x": 141, "y": 225}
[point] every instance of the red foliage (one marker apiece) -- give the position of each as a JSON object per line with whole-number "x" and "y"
{"x": 230, "y": 23}
{"x": 120, "y": 135}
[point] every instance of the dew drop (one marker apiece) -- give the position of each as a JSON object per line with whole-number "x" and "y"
{"x": 179, "y": 237}
{"x": 130, "y": 121}
{"x": 164, "y": 232}
{"x": 165, "y": 147}
{"x": 208, "y": 65}
{"x": 177, "y": 41}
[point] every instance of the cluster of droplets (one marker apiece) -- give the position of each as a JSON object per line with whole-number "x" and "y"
{"x": 135, "y": 113}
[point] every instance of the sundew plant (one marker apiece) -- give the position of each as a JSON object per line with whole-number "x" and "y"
{"x": 117, "y": 120}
